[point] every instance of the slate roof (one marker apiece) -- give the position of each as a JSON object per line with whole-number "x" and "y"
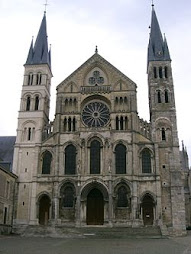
{"x": 39, "y": 54}
{"x": 6, "y": 151}
{"x": 158, "y": 47}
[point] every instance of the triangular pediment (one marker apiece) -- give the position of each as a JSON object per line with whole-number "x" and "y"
{"x": 95, "y": 71}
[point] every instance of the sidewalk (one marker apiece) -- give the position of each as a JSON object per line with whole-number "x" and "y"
{"x": 44, "y": 245}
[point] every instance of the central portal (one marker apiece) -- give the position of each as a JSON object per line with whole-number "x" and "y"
{"x": 95, "y": 208}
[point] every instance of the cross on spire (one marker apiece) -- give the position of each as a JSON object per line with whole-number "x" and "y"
{"x": 152, "y": 3}
{"x": 46, "y": 4}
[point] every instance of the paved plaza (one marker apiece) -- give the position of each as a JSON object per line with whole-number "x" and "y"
{"x": 42, "y": 245}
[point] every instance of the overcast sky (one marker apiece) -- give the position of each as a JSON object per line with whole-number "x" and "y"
{"x": 120, "y": 28}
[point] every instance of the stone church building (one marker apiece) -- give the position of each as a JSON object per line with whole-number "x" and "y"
{"x": 98, "y": 163}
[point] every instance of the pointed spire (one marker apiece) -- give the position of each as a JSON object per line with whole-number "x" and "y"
{"x": 40, "y": 54}
{"x": 30, "y": 54}
{"x": 158, "y": 48}
{"x": 182, "y": 145}
{"x": 166, "y": 50}
{"x": 49, "y": 56}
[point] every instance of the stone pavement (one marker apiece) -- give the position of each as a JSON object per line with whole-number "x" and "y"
{"x": 42, "y": 245}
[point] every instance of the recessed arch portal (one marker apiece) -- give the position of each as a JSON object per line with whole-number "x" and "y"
{"x": 95, "y": 207}
{"x": 94, "y": 196}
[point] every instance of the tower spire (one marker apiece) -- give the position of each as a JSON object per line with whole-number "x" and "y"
{"x": 158, "y": 48}
{"x": 39, "y": 54}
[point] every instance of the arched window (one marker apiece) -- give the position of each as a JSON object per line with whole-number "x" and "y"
{"x": 120, "y": 159}
{"x": 70, "y": 160}
{"x": 46, "y": 162}
{"x": 67, "y": 197}
{"x": 155, "y": 72}
{"x": 65, "y": 124}
{"x": 29, "y": 133}
{"x": 38, "y": 78}
{"x": 95, "y": 150}
{"x": 30, "y": 79}
{"x": 126, "y": 123}
{"x": 121, "y": 123}
{"x": 117, "y": 123}
{"x": 36, "y": 103}
{"x": 122, "y": 199}
{"x": 28, "y": 103}
{"x": 166, "y": 72}
{"x": 166, "y": 96}
{"x": 74, "y": 124}
{"x": 160, "y": 72}
{"x": 163, "y": 134}
{"x": 146, "y": 161}
{"x": 159, "y": 96}
{"x": 69, "y": 124}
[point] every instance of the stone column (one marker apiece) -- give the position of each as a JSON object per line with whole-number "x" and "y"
{"x": 78, "y": 203}
{"x": 110, "y": 214}
{"x": 56, "y": 202}
{"x": 33, "y": 206}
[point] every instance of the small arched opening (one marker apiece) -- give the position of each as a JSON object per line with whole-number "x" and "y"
{"x": 44, "y": 210}
{"x": 148, "y": 205}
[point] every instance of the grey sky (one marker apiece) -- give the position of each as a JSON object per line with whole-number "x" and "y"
{"x": 75, "y": 27}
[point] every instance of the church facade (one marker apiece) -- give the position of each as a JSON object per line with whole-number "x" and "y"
{"x": 98, "y": 163}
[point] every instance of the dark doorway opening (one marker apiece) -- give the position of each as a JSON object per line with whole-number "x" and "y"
{"x": 147, "y": 210}
{"x": 95, "y": 208}
{"x": 44, "y": 207}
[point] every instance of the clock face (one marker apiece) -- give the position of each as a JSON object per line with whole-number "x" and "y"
{"x": 95, "y": 114}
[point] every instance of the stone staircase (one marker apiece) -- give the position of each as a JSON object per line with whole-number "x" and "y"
{"x": 93, "y": 232}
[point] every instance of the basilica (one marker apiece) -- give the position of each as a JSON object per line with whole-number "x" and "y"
{"x": 98, "y": 163}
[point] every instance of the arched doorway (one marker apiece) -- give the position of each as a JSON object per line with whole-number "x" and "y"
{"x": 147, "y": 210}
{"x": 95, "y": 207}
{"x": 44, "y": 208}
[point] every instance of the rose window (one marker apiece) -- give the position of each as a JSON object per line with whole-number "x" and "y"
{"x": 95, "y": 114}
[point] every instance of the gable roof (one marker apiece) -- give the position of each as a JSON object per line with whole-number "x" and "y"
{"x": 93, "y": 59}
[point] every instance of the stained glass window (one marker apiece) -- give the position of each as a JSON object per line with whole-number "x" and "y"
{"x": 146, "y": 161}
{"x": 95, "y": 157}
{"x": 120, "y": 159}
{"x": 70, "y": 160}
{"x": 46, "y": 163}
